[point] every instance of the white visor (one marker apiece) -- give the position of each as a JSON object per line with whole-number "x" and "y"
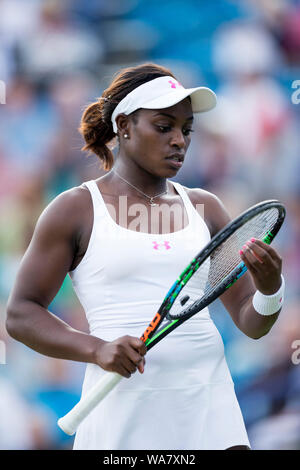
{"x": 161, "y": 93}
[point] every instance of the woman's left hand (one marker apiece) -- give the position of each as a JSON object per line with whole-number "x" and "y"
{"x": 264, "y": 265}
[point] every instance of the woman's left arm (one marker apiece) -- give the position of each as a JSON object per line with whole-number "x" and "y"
{"x": 264, "y": 274}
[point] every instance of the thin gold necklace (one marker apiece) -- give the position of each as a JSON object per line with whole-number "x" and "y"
{"x": 151, "y": 198}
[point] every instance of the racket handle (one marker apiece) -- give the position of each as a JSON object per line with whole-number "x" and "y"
{"x": 88, "y": 402}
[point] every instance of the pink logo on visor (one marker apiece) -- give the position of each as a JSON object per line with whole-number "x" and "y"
{"x": 174, "y": 84}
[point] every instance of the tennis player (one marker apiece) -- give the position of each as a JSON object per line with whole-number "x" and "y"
{"x": 183, "y": 397}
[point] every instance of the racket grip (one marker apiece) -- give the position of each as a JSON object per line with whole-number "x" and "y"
{"x": 70, "y": 422}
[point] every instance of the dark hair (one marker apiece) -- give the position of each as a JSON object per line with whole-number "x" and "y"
{"x": 96, "y": 126}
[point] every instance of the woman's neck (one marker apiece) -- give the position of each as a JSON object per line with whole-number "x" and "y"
{"x": 139, "y": 177}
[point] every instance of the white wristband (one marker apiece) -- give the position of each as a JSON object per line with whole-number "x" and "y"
{"x": 269, "y": 304}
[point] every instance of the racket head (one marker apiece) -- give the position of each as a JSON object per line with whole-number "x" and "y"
{"x": 219, "y": 264}
{"x": 262, "y": 221}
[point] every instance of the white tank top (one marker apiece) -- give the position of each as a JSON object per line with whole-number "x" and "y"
{"x": 125, "y": 274}
{"x": 121, "y": 282}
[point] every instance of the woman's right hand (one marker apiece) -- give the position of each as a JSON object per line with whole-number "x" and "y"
{"x": 124, "y": 355}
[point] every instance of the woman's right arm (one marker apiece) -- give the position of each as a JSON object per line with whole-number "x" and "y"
{"x": 44, "y": 266}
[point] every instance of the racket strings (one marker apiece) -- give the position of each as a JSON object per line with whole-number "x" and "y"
{"x": 224, "y": 259}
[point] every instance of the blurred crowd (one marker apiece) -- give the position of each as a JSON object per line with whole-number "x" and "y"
{"x": 58, "y": 55}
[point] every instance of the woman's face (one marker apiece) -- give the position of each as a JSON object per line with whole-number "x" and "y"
{"x": 159, "y": 138}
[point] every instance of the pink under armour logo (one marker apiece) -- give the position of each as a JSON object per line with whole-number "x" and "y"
{"x": 165, "y": 245}
{"x": 174, "y": 84}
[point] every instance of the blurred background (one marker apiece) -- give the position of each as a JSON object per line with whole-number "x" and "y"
{"x": 56, "y": 56}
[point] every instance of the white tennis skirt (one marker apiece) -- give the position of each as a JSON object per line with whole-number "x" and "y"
{"x": 185, "y": 400}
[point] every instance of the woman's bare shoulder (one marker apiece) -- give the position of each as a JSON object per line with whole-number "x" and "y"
{"x": 70, "y": 203}
{"x": 66, "y": 214}
{"x": 71, "y": 199}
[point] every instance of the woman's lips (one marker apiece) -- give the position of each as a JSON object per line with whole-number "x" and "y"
{"x": 175, "y": 160}
{"x": 175, "y": 163}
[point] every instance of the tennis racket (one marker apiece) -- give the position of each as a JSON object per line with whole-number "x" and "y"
{"x": 218, "y": 266}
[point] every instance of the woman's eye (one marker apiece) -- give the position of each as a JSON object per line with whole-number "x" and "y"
{"x": 187, "y": 131}
{"x": 164, "y": 128}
